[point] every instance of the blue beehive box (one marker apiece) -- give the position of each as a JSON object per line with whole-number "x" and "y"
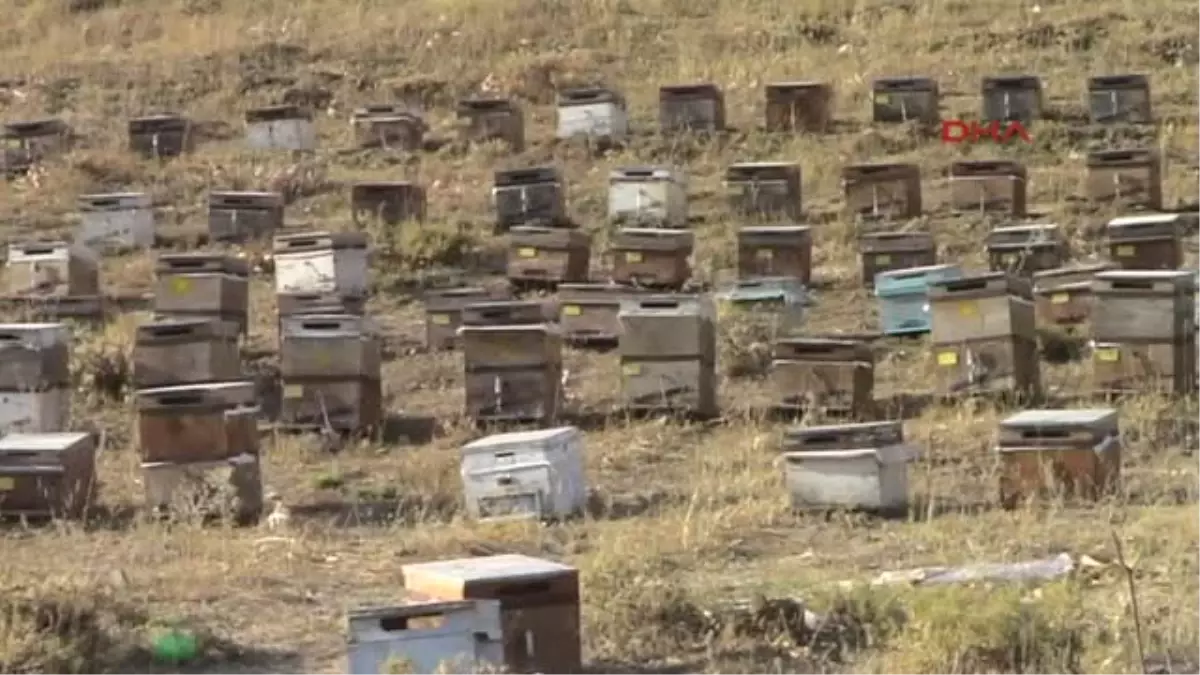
{"x": 785, "y": 296}
{"x": 904, "y": 297}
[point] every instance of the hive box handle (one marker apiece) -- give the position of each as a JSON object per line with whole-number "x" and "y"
{"x": 179, "y": 399}
{"x": 822, "y": 438}
{"x": 38, "y": 250}
{"x": 685, "y": 91}
{"x": 321, "y": 325}
{"x": 504, "y": 481}
{"x": 638, "y": 173}
{"x": 495, "y": 313}
{"x": 301, "y": 242}
{"x": 21, "y": 454}
{"x": 967, "y": 285}
{"x": 1045, "y": 433}
{"x": 166, "y": 331}
{"x": 660, "y": 304}
{"x": 104, "y": 202}
{"x": 527, "y": 588}
{"x": 399, "y": 622}
{"x": 1132, "y": 285}
{"x": 185, "y": 264}
{"x": 1119, "y": 156}
{"x": 505, "y": 455}
{"x": 9, "y": 337}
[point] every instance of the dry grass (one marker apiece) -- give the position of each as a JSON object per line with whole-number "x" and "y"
{"x": 696, "y": 515}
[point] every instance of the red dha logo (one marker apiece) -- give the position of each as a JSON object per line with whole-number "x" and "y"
{"x": 958, "y": 131}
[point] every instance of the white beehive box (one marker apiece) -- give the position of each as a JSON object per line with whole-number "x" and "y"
{"x": 648, "y": 196}
{"x": 52, "y": 268}
{"x": 531, "y": 474}
{"x": 35, "y": 412}
{"x": 322, "y": 262}
{"x": 839, "y": 471}
{"x": 281, "y": 127}
{"x": 118, "y": 221}
{"x": 594, "y": 113}
{"x": 424, "y": 636}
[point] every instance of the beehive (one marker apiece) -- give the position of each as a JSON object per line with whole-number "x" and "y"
{"x": 588, "y": 312}
{"x": 390, "y": 202}
{"x": 539, "y": 605}
{"x": 1131, "y": 178}
{"x": 1119, "y": 99}
{"x": 884, "y": 251}
{"x": 832, "y": 375}
{"x": 14, "y": 160}
{"x": 668, "y": 354}
{"x": 161, "y": 136}
{"x": 118, "y": 221}
{"x": 331, "y": 368}
{"x": 197, "y": 422}
{"x": 321, "y": 262}
{"x": 592, "y": 112}
{"x": 861, "y": 466}
{"x": 280, "y": 127}
{"x": 533, "y": 196}
{"x": 38, "y": 139}
{"x": 443, "y": 313}
{"x": 35, "y": 411}
{"x": 47, "y": 475}
{"x": 905, "y": 99}
{"x": 513, "y": 372}
{"x": 202, "y": 284}
{"x": 185, "y": 351}
{"x": 983, "y": 335}
{"x": 389, "y": 126}
{"x": 52, "y": 268}
{"x": 691, "y": 108}
{"x": 425, "y": 634}
{"x": 35, "y": 386}
{"x": 779, "y": 300}
{"x": 238, "y": 216}
{"x": 1012, "y": 98}
{"x": 228, "y": 487}
{"x": 1025, "y": 249}
{"x": 988, "y": 186}
{"x": 882, "y": 190}
{"x": 774, "y": 251}
{"x": 1147, "y": 242}
{"x": 548, "y": 256}
{"x": 1144, "y": 331}
{"x": 293, "y": 303}
{"x": 507, "y": 313}
{"x": 647, "y": 197}
{"x": 904, "y": 297}
{"x": 799, "y": 106}
{"x": 1063, "y": 297}
{"x": 764, "y": 190}
{"x": 525, "y": 474}
{"x": 1048, "y": 453}
{"x": 653, "y": 258}
{"x": 491, "y": 119}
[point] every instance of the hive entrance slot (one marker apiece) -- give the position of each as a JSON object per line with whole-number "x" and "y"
{"x": 660, "y": 304}
{"x": 104, "y": 202}
{"x": 971, "y": 285}
{"x": 321, "y": 325}
{"x": 392, "y": 624}
{"x": 38, "y": 250}
{"x": 168, "y": 331}
{"x": 1045, "y": 433}
{"x": 302, "y": 242}
{"x": 527, "y": 588}
{"x": 180, "y": 399}
{"x": 20, "y": 454}
{"x": 1131, "y": 285}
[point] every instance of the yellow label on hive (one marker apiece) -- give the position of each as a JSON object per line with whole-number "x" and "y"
{"x": 631, "y": 369}
{"x": 322, "y": 359}
{"x": 527, "y": 252}
{"x": 1125, "y": 251}
{"x": 633, "y": 256}
{"x": 572, "y": 310}
{"x": 947, "y": 358}
{"x": 440, "y": 319}
{"x": 293, "y": 391}
{"x": 883, "y": 259}
{"x": 968, "y": 308}
{"x": 181, "y": 285}
{"x": 1108, "y": 354}
{"x": 883, "y": 99}
{"x": 764, "y": 253}
{"x": 7, "y": 483}
{"x": 1060, "y": 298}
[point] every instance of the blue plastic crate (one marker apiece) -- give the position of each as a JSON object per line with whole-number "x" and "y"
{"x": 904, "y": 297}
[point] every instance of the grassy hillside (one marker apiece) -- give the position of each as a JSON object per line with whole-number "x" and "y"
{"x": 688, "y": 517}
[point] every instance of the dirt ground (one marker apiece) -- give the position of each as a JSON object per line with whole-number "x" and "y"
{"x": 688, "y": 518}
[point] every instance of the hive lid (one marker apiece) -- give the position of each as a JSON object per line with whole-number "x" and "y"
{"x": 209, "y": 386}
{"x": 58, "y": 440}
{"x": 514, "y": 438}
{"x": 31, "y": 327}
{"x": 1088, "y": 417}
{"x": 509, "y": 567}
{"x": 1144, "y": 218}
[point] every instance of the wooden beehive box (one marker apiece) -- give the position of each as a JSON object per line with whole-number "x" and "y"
{"x": 775, "y": 251}
{"x": 905, "y": 99}
{"x": 508, "y": 312}
{"x": 764, "y": 190}
{"x": 525, "y": 474}
{"x": 1119, "y": 99}
{"x": 988, "y": 186}
{"x": 322, "y": 262}
{"x": 185, "y": 351}
{"x": 443, "y": 313}
{"x": 1147, "y": 242}
{"x": 239, "y": 216}
{"x": 203, "y": 284}
{"x": 1012, "y": 98}
{"x": 592, "y": 112}
{"x": 1058, "y": 453}
{"x": 389, "y": 126}
{"x": 648, "y": 197}
{"x": 691, "y": 108}
{"x": 426, "y": 634}
{"x": 539, "y": 605}
{"x": 1025, "y": 249}
{"x": 886, "y": 251}
{"x": 861, "y": 466}
{"x": 799, "y": 106}
{"x": 491, "y": 119}
{"x": 833, "y": 375}
{"x": 34, "y": 356}
{"x": 190, "y": 423}
{"x": 331, "y": 368}
{"x": 281, "y": 127}
{"x": 882, "y": 191}
{"x": 513, "y": 372}
{"x": 161, "y": 136}
{"x": 903, "y": 297}
{"x": 1143, "y": 305}
{"x": 668, "y": 353}
{"x": 1144, "y": 367}
{"x": 116, "y": 221}
{"x": 1063, "y": 299}
{"x": 532, "y": 196}
{"x": 1131, "y": 178}
{"x": 653, "y": 258}
{"x": 588, "y": 312}
{"x": 38, "y": 139}
{"x": 548, "y": 256}
{"x": 389, "y": 202}
{"x": 47, "y": 475}
{"x": 52, "y": 268}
